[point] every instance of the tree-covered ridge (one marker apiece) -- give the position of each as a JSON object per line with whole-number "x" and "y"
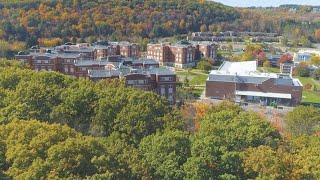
{"x": 118, "y": 19}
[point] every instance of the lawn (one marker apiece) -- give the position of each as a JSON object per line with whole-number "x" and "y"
{"x": 269, "y": 69}
{"x": 197, "y": 79}
{"x": 310, "y": 95}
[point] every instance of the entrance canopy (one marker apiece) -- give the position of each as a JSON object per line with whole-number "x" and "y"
{"x": 263, "y": 94}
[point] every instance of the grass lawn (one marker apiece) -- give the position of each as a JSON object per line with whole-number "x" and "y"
{"x": 195, "y": 77}
{"x": 269, "y": 69}
{"x": 310, "y": 95}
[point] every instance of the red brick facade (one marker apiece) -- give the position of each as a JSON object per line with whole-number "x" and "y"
{"x": 180, "y": 55}
{"x": 226, "y": 90}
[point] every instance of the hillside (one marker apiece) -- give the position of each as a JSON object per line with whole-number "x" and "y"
{"x": 30, "y": 20}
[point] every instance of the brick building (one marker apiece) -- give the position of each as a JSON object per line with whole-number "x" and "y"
{"x": 144, "y": 74}
{"x": 99, "y": 50}
{"x": 181, "y": 55}
{"x": 240, "y": 82}
{"x": 159, "y": 80}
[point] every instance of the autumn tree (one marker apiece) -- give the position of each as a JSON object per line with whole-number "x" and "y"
{"x": 285, "y": 58}
{"x": 302, "y": 70}
{"x": 216, "y": 150}
{"x": 303, "y": 120}
{"x": 264, "y": 162}
{"x": 317, "y": 34}
{"x": 315, "y": 60}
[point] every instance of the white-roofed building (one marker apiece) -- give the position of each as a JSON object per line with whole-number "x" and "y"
{"x": 304, "y": 55}
{"x": 241, "y": 82}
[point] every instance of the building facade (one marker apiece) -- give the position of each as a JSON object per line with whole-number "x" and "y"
{"x": 241, "y": 82}
{"x": 181, "y": 55}
{"x": 144, "y": 74}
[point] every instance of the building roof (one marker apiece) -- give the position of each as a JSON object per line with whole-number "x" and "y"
{"x": 69, "y": 55}
{"x": 90, "y": 63}
{"x": 245, "y": 72}
{"x": 44, "y": 56}
{"x": 238, "y": 79}
{"x": 161, "y": 71}
{"x": 103, "y": 73}
{"x": 239, "y": 67}
{"x": 100, "y": 46}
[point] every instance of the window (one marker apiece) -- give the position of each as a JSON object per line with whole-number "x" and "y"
{"x": 71, "y": 69}
{"x": 83, "y": 69}
{"x": 141, "y": 81}
{"x": 170, "y": 89}
{"x": 162, "y": 91}
{"x": 166, "y": 78}
{"x": 130, "y": 82}
{"x": 66, "y": 69}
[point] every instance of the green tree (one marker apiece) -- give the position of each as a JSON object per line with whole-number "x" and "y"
{"x": 266, "y": 64}
{"x": 303, "y": 120}
{"x": 217, "y": 149}
{"x": 77, "y": 106}
{"x": 316, "y": 74}
{"x": 306, "y": 160}
{"x": 38, "y": 150}
{"x": 315, "y": 60}
{"x": 264, "y": 163}
{"x": 140, "y": 116}
{"x": 204, "y": 65}
{"x": 302, "y": 70}
{"x": 165, "y": 153}
{"x": 2, "y": 159}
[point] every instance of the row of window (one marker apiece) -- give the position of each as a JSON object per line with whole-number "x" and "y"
{"x": 42, "y": 61}
{"x": 39, "y": 68}
{"x": 166, "y": 78}
{"x": 137, "y": 82}
{"x": 163, "y": 90}
{"x": 66, "y": 69}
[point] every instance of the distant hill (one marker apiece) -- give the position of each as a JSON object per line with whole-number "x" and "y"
{"x": 29, "y": 20}
{"x": 296, "y": 6}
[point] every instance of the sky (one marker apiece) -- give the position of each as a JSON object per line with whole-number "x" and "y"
{"x": 266, "y": 3}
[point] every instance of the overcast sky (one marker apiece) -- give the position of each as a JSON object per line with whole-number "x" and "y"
{"x": 248, "y": 3}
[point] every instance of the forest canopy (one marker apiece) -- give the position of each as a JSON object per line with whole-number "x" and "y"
{"x": 32, "y": 20}
{"x": 56, "y": 126}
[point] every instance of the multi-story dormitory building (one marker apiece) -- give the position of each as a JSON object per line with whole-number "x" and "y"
{"x": 74, "y": 59}
{"x": 181, "y": 55}
{"x": 114, "y": 60}
{"x": 147, "y": 76}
